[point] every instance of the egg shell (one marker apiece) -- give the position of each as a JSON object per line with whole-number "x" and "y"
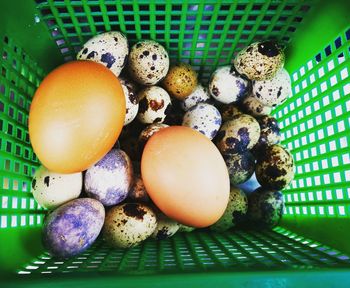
{"x": 265, "y": 208}
{"x": 204, "y": 118}
{"x": 185, "y": 176}
{"x": 235, "y": 212}
{"x": 110, "y": 179}
{"x": 166, "y": 227}
{"x": 229, "y": 111}
{"x": 275, "y": 169}
{"x": 270, "y": 131}
{"x": 252, "y": 106}
{"x": 180, "y": 81}
{"x": 199, "y": 95}
{"x": 260, "y": 60}
{"x": 227, "y": 86}
{"x": 73, "y": 227}
{"x": 110, "y": 49}
{"x": 273, "y": 91}
{"x": 147, "y": 133}
{"x": 154, "y": 105}
{"x": 52, "y": 189}
{"x": 185, "y": 228}
{"x": 138, "y": 191}
{"x": 148, "y": 62}
{"x": 238, "y": 135}
{"x": 63, "y": 133}
{"x": 131, "y": 100}
{"x": 129, "y": 224}
{"x": 240, "y": 167}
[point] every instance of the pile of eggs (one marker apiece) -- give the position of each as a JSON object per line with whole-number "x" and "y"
{"x": 132, "y": 147}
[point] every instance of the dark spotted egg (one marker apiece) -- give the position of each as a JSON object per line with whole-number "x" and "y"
{"x": 227, "y": 86}
{"x": 129, "y": 224}
{"x": 154, "y": 105}
{"x": 204, "y": 118}
{"x": 238, "y": 135}
{"x": 110, "y": 179}
{"x": 240, "y": 167}
{"x": 138, "y": 191}
{"x": 273, "y": 91}
{"x": 275, "y": 168}
{"x": 52, "y": 189}
{"x": 166, "y": 227}
{"x": 265, "y": 208}
{"x": 148, "y": 62}
{"x": 200, "y": 94}
{"x": 228, "y": 111}
{"x": 110, "y": 49}
{"x": 260, "y": 60}
{"x": 252, "y": 106}
{"x": 235, "y": 212}
{"x": 132, "y": 103}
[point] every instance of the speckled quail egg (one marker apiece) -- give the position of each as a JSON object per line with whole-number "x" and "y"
{"x": 228, "y": 111}
{"x": 185, "y": 228}
{"x": 166, "y": 227}
{"x": 270, "y": 131}
{"x": 180, "y": 81}
{"x": 110, "y": 179}
{"x": 148, "y": 132}
{"x": 148, "y": 62}
{"x": 275, "y": 169}
{"x": 154, "y": 105}
{"x": 260, "y": 60}
{"x": 240, "y": 167}
{"x": 52, "y": 189}
{"x": 273, "y": 91}
{"x": 132, "y": 103}
{"x": 238, "y": 135}
{"x": 235, "y": 212}
{"x": 252, "y": 106}
{"x": 129, "y": 224}
{"x": 200, "y": 94}
{"x": 227, "y": 86}
{"x": 265, "y": 207}
{"x": 110, "y": 49}
{"x": 138, "y": 191}
{"x": 204, "y": 118}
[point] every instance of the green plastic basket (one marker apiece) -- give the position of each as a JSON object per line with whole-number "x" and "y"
{"x": 310, "y": 246}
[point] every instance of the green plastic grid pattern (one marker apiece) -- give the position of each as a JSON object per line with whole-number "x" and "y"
{"x": 315, "y": 127}
{"x": 20, "y": 76}
{"x": 204, "y": 33}
{"x": 199, "y": 251}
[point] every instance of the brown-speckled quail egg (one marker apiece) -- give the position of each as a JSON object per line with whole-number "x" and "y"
{"x": 235, "y": 212}
{"x": 200, "y": 94}
{"x": 148, "y": 132}
{"x": 229, "y": 111}
{"x": 148, "y": 62}
{"x": 132, "y": 103}
{"x": 154, "y": 105}
{"x": 227, "y": 86}
{"x": 129, "y": 224}
{"x": 260, "y": 60}
{"x": 110, "y": 49}
{"x": 273, "y": 91}
{"x": 204, "y": 118}
{"x": 253, "y": 107}
{"x": 238, "y": 135}
{"x": 265, "y": 207}
{"x": 180, "y": 81}
{"x": 185, "y": 228}
{"x": 166, "y": 227}
{"x": 240, "y": 167}
{"x": 275, "y": 169}
{"x": 270, "y": 131}
{"x": 138, "y": 191}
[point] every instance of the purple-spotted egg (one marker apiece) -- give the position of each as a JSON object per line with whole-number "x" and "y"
{"x": 252, "y": 106}
{"x": 240, "y": 167}
{"x": 154, "y": 105}
{"x": 260, "y": 60}
{"x": 200, "y": 94}
{"x": 129, "y": 224}
{"x": 273, "y": 91}
{"x": 132, "y": 103}
{"x": 166, "y": 227}
{"x": 73, "y": 227}
{"x": 148, "y": 62}
{"x": 110, "y": 49}
{"x": 227, "y": 86}
{"x": 110, "y": 179}
{"x": 204, "y": 118}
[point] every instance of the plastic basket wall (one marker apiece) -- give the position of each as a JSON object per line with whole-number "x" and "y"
{"x": 315, "y": 127}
